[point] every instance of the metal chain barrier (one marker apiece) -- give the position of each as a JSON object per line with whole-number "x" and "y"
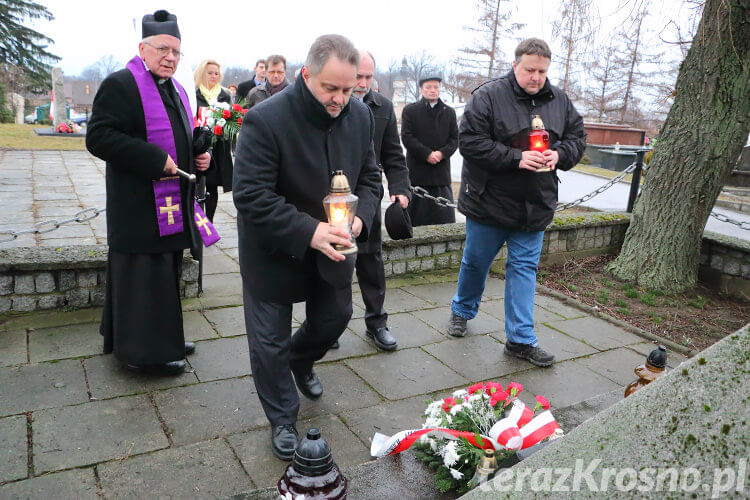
{"x": 50, "y": 225}
{"x": 444, "y": 202}
{"x": 742, "y": 224}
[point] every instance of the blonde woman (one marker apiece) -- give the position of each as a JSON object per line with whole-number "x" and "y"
{"x": 208, "y": 92}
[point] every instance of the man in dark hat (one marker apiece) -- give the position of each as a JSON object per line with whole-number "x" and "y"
{"x": 289, "y": 148}
{"x": 390, "y": 158}
{"x": 141, "y": 125}
{"x": 430, "y": 134}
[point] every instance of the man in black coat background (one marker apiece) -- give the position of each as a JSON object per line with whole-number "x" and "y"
{"x": 142, "y": 317}
{"x": 259, "y": 76}
{"x": 430, "y": 134}
{"x": 288, "y": 149}
{"x": 509, "y": 192}
{"x": 390, "y": 158}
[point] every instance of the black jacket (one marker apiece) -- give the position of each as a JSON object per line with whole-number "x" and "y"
{"x": 244, "y": 88}
{"x": 287, "y": 150}
{"x": 425, "y": 129}
{"x": 390, "y": 158}
{"x": 494, "y": 132}
{"x": 117, "y": 134}
{"x": 220, "y": 171}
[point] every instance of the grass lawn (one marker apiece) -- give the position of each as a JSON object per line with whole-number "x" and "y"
{"x": 14, "y": 136}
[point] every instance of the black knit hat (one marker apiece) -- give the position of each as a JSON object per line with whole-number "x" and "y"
{"x": 160, "y": 22}
{"x": 398, "y": 222}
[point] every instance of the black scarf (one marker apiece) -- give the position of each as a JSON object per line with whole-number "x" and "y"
{"x": 273, "y": 89}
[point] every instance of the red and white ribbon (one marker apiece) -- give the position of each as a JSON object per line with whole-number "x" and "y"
{"x": 519, "y": 430}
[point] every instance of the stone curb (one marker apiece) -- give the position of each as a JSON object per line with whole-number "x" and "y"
{"x": 625, "y": 326}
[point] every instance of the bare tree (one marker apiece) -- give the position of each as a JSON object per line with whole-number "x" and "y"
{"x": 235, "y": 74}
{"x": 102, "y": 68}
{"x": 418, "y": 66}
{"x": 604, "y": 79}
{"x": 485, "y": 57}
{"x": 459, "y": 84}
{"x": 575, "y": 28}
{"x": 386, "y": 78}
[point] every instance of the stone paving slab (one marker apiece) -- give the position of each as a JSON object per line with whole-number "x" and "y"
{"x": 559, "y": 344}
{"x": 342, "y": 390}
{"x": 674, "y": 359}
{"x": 196, "y": 327}
{"x": 496, "y": 309}
{"x": 396, "y": 301}
{"x": 554, "y": 305}
{"x": 438, "y": 294}
{"x": 65, "y": 342}
{"x": 202, "y": 470}
{"x": 597, "y": 332}
{"x": 407, "y": 329}
{"x": 221, "y": 358}
{"x": 13, "y": 348}
{"x": 351, "y": 346}
{"x": 204, "y": 411}
{"x": 219, "y": 263}
{"x": 265, "y": 469}
{"x": 41, "y": 385}
{"x": 102, "y": 430}
{"x": 477, "y": 358}
{"x": 13, "y": 449}
{"x": 78, "y": 483}
{"x": 405, "y": 373}
{"x": 108, "y": 378}
{"x": 387, "y": 418}
{"x": 617, "y": 364}
{"x": 439, "y": 319}
{"x": 229, "y": 321}
{"x": 223, "y": 284}
{"x": 565, "y": 383}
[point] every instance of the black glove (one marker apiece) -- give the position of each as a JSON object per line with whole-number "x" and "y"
{"x": 201, "y": 140}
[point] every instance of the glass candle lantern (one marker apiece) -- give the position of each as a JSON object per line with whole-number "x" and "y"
{"x": 341, "y": 206}
{"x": 539, "y": 139}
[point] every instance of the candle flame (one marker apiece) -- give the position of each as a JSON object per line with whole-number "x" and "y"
{"x": 338, "y": 215}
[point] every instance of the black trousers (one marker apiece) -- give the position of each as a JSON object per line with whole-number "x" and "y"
{"x": 371, "y": 277}
{"x": 212, "y": 200}
{"x": 274, "y": 353}
{"x": 142, "y": 317}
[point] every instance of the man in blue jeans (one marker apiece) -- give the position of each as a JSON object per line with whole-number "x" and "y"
{"x": 509, "y": 191}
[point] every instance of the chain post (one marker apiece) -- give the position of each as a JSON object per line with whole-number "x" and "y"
{"x": 636, "y": 182}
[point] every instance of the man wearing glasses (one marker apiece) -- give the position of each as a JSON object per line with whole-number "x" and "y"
{"x": 141, "y": 125}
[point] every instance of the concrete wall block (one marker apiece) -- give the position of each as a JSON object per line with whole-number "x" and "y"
{"x": 388, "y": 269}
{"x": 396, "y": 254}
{"x": 190, "y": 271}
{"x": 5, "y": 304}
{"x": 102, "y": 277}
{"x": 97, "y": 295}
{"x": 438, "y": 248}
{"x": 503, "y": 253}
{"x": 413, "y": 265}
{"x": 66, "y": 280}
{"x": 443, "y": 261}
{"x": 745, "y": 271}
{"x": 455, "y": 259}
{"x": 399, "y": 268}
{"x": 44, "y": 282}
{"x": 717, "y": 262}
{"x": 424, "y": 250}
{"x": 428, "y": 264}
{"x": 78, "y": 297}
{"x": 23, "y": 304}
{"x": 454, "y": 245}
{"x": 24, "y": 283}
{"x": 732, "y": 267}
{"x": 6, "y": 284}
{"x": 191, "y": 289}
{"x": 51, "y": 301}
{"x": 553, "y": 235}
{"x": 86, "y": 278}
{"x": 410, "y": 251}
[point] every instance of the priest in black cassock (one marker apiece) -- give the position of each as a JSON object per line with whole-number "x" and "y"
{"x": 141, "y": 125}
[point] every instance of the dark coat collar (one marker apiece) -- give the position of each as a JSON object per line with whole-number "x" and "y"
{"x": 373, "y": 98}
{"x": 440, "y": 104}
{"x": 545, "y": 93}
{"x": 312, "y": 109}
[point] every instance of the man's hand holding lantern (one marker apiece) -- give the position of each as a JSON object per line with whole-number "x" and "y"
{"x": 203, "y": 161}
{"x": 551, "y": 158}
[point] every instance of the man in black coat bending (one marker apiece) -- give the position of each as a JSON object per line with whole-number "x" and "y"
{"x": 141, "y": 125}
{"x": 288, "y": 149}
{"x": 390, "y": 159}
{"x": 509, "y": 189}
{"x": 430, "y": 134}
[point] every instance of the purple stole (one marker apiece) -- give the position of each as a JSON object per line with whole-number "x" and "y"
{"x": 159, "y": 131}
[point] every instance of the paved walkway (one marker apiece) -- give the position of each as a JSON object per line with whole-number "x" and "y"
{"x": 73, "y": 424}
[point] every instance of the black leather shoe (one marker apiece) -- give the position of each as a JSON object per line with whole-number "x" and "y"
{"x": 309, "y": 385}
{"x": 189, "y": 348}
{"x": 383, "y": 339}
{"x": 162, "y": 370}
{"x": 284, "y": 441}
{"x": 335, "y": 345}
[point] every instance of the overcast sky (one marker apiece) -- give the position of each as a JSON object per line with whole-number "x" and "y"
{"x": 237, "y": 33}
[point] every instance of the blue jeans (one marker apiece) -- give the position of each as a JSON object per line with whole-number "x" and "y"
{"x": 483, "y": 242}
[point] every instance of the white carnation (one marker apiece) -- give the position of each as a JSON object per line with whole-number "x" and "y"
{"x": 221, "y": 122}
{"x": 450, "y": 455}
{"x": 457, "y": 408}
{"x": 457, "y": 474}
{"x": 460, "y": 394}
{"x": 210, "y": 121}
{"x": 223, "y": 105}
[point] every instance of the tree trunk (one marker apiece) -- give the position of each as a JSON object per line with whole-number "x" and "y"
{"x": 697, "y": 149}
